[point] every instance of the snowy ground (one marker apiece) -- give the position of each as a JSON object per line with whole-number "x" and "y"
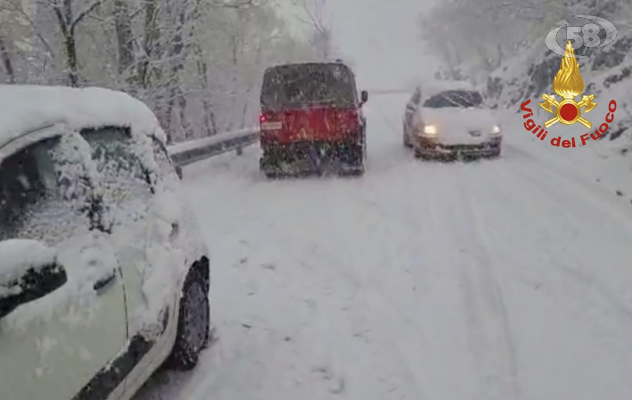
{"x": 505, "y": 279}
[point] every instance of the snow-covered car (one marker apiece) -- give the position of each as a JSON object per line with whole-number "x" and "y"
{"x": 450, "y": 120}
{"x": 103, "y": 272}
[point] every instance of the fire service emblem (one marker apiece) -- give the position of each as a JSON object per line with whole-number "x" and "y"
{"x": 568, "y": 84}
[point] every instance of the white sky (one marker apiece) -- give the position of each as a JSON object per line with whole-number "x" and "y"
{"x": 382, "y": 38}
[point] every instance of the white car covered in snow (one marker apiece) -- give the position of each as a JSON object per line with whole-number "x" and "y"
{"x": 103, "y": 273}
{"x": 450, "y": 120}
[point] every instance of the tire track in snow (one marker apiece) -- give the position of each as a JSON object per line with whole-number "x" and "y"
{"x": 371, "y": 295}
{"x": 588, "y": 280}
{"x": 334, "y": 271}
{"x": 569, "y": 180}
{"x": 497, "y": 285}
{"x": 483, "y": 282}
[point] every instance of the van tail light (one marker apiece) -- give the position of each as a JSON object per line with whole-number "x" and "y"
{"x": 268, "y": 124}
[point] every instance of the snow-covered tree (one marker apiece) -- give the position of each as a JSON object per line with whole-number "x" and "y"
{"x": 478, "y": 35}
{"x": 321, "y": 28}
{"x": 196, "y": 63}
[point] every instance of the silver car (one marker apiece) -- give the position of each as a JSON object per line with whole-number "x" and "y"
{"x": 450, "y": 121}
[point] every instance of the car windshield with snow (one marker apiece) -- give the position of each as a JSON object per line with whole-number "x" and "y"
{"x": 455, "y": 98}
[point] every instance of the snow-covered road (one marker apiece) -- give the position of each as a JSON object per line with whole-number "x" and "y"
{"x": 506, "y": 279}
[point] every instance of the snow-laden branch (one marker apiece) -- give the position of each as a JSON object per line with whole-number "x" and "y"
{"x": 84, "y": 13}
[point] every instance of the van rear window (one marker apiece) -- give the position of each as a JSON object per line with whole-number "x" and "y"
{"x": 308, "y": 84}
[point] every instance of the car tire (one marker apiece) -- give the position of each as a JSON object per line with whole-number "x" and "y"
{"x": 422, "y": 156}
{"x": 406, "y": 141}
{"x": 193, "y": 323}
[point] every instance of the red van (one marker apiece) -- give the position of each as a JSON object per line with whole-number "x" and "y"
{"x": 311, "y": 120}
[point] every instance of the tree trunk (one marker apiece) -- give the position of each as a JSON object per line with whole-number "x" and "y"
{"x": 71, "y": 53}
{"x": 209, "y": 117}
{"x": 67, "y": 25}
{"x": 210, "y": 125}
{"x": 63, "y": 12}
{"x": 6, "y": 60}
{"x": 123, "y": 26}
{"x": 186, "y": 127}
{"x": 178, "y": 56}
{"x": 152, "y": 37}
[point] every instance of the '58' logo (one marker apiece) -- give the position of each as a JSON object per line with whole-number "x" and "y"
{"x": 582, "y": 36}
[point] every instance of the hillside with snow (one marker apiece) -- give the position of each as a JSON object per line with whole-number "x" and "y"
{"x": 607, "y": 73}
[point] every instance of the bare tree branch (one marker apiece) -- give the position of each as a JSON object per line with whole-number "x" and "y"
{"x": 82, "y": 15}
{"x": 37, "y": 32}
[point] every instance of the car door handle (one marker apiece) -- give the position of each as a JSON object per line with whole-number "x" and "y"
{"x": 105, "y": 283}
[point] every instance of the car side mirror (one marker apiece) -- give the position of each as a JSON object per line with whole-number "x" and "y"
{"x": 364, "y": 96}
{"x": 29, "y": 272}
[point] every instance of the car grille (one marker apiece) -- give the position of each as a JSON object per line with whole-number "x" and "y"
{"x": 461, "y": 147}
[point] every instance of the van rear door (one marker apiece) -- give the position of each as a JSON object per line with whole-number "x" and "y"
{"x": 312, "y": 101}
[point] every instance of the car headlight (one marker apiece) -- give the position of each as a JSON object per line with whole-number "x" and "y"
{"x": 496, "y": 131}
{"x": 429, "y": 130}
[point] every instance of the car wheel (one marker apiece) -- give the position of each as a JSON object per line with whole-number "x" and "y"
{"x": 422, "y": 156}
{"x": 406, "y": 141}
{"x": 193, "y": 323}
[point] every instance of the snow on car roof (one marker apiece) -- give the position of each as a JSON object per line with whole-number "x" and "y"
{"x": 432, "y": 88}
{"x": 24, "y": 108}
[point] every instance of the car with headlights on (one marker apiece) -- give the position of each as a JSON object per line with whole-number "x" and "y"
{"x": 450, "y": 121}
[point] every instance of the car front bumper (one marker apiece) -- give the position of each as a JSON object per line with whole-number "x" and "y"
{"x": 435, "y": 149}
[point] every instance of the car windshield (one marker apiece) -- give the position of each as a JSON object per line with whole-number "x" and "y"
{"x": 308, "y": 84}
{"x": 455, "y": 98}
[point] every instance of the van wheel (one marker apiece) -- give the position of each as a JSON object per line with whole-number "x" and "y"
{"x": 358, "y": 171}
{"x": 193, "y": 322}
{"x": 364, "y": 144}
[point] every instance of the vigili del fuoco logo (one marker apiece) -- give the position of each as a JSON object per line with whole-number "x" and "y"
{"x": 568, "y": 84}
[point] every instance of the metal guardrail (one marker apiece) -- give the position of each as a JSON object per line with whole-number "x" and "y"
{"x": 192, "y": 151}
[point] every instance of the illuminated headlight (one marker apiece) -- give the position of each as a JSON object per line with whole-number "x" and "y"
{"x": 429, "y": 130}
{"x": 496, "y": 130}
